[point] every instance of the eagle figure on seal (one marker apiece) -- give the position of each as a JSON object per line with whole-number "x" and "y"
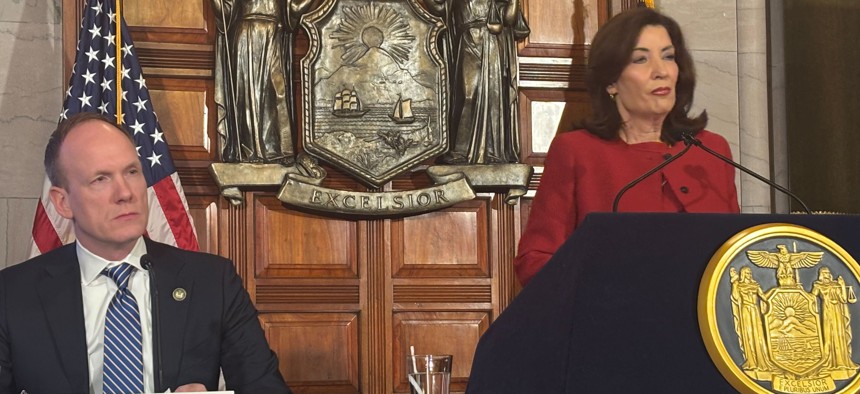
{"x": 785, "y": 262}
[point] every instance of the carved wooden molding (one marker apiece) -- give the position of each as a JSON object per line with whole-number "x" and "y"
{"x": 307, "y": 294}
{"x": 421, "y": 294}
{"x": 503, "y": 250}
{"x": 376, "y": 370}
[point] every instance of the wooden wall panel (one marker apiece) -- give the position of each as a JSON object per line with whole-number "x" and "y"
{"x": 376, "y": 366}
{"x": 184, "y": 14}
{"x": 463, "y": 229}
{"x": 185, "y": 108}
{"x": 295, "y": 244}
{"x": 455, "y": 333}
{"x": 170, "y": 21}
{"x": 505, "y": 233}
{"x": 317, "y": 351}
{"x": 204, "y": 213}
{"x": 562, "y": 22}
{"x": 561, "y": 28}
{"x": 525, "y": 209}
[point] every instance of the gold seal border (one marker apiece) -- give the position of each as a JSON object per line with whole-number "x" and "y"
{"x": 708, "y": 292}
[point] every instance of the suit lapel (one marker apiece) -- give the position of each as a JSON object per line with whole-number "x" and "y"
{"x": 169, "y": 275}
{"x": 60, "y": 294}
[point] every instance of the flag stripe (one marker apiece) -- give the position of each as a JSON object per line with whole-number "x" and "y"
{"x": 47, "y": 239}
{"x": 158, "y": 227}
{"x": 176, "y": 212}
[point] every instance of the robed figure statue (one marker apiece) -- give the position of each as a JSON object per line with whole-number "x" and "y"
{"x": 481, "y": 43}
{"x": 253, "y": 84}
{"x": 747, "y": 295}
{"x": 836, "y": 321}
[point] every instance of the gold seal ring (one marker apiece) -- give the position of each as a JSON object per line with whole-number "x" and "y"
{"x": 775, "y": 309}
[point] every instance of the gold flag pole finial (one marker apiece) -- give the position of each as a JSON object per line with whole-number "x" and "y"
{"x": 648, "y": 3}
{"x": 118, "y": 46}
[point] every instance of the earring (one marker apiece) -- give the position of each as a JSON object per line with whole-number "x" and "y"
{"x": 612, "y": 96}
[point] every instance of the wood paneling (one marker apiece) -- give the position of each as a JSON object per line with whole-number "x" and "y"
{"x": 294, "y": 244}
{"x": 170, "y": 21}
{"x": 185, "y": 108}
{"x": 560, "y": 23}
{"x": 561, "y": 28}
{"x": 317, "y": 351}
{"x": 454, "y": 333}
{"x": 160, "y": 14}
{"x": 377, "y": 368}
{"x": 503, "y": 242}
{"x": 204, "y": 213}
{"x": 415, "y": 243}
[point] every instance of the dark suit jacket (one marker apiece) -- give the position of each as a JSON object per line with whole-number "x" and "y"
{"x": 43, "y": 343}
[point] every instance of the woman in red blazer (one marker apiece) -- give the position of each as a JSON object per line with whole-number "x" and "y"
{"x": 641, "y": 80}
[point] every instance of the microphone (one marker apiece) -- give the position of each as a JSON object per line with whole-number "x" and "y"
{"x": 146, "y": 263}
{"x": 690, "y": 140}
{"x": 646, "y": 175}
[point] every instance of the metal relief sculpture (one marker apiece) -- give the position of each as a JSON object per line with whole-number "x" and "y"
{"x": 253, "y": 94}
{"x": 375, "y": 87}
{"x": 482, "y": 45}
{"x": 791, "y": 296}
{"x": 746, "y": 298}
{"x": 253, "y": 88}
{"x": 375, "y": 104}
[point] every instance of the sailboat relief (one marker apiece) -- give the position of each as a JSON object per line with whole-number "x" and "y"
{"x": 402, "y": 112}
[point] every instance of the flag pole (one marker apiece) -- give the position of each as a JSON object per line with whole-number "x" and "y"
{"x": 118, "y": 46}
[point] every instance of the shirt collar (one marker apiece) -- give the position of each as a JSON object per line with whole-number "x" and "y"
{"x": 92, "y": 265}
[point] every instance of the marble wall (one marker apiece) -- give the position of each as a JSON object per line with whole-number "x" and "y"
{"x": 31, "y": 92}
{"x": 727, "y": 38}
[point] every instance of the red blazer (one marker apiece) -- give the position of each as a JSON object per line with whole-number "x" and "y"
{"x": 583, "y": 173}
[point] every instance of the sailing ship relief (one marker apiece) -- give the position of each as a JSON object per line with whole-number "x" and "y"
{"x": 347, "y": 105}
{"x": 376, "y": 91}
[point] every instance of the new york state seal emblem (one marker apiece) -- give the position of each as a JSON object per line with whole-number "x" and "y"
{"x": 777, "y": 309}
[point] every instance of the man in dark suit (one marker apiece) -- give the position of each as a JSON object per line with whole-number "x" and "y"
{"x": 53, "y": 332}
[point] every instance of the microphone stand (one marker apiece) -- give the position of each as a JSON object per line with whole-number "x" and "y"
{"x": 690, "y": 140}
{"x": 146, "y": 263}
{"x": 645, "y": 175}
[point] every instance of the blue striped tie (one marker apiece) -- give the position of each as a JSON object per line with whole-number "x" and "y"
{"x": 123, "y": 367}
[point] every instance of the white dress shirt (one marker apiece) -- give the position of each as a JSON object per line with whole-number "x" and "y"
{"x": 98, "y": 290}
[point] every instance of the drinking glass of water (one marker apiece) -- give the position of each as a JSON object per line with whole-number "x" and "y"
{"x": 429, "y": 374}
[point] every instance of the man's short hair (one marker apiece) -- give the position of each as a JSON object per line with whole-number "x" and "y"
{"x": 52, "y": 150}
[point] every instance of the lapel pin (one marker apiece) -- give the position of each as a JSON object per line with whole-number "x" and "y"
{"x": 179, "y": 294}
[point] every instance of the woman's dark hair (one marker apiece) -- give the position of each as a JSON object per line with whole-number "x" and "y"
{"x": 610, "y": 53}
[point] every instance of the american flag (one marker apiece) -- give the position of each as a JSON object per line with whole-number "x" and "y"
{"x": 93, "y": 88}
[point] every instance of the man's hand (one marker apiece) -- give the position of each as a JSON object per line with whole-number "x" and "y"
{"x": 190, "y": 388}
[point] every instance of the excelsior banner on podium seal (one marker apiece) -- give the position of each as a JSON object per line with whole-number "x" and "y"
{"x": 778, "y": 312}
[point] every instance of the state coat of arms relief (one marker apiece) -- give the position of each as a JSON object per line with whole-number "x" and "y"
{"x": 782, "y": 317}
{"x": 388, "y": 88}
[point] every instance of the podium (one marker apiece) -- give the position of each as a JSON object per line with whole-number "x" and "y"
{"x": 614, "y": 310}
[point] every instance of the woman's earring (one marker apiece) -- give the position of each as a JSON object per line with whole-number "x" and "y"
{"x": 612, "y": 96}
